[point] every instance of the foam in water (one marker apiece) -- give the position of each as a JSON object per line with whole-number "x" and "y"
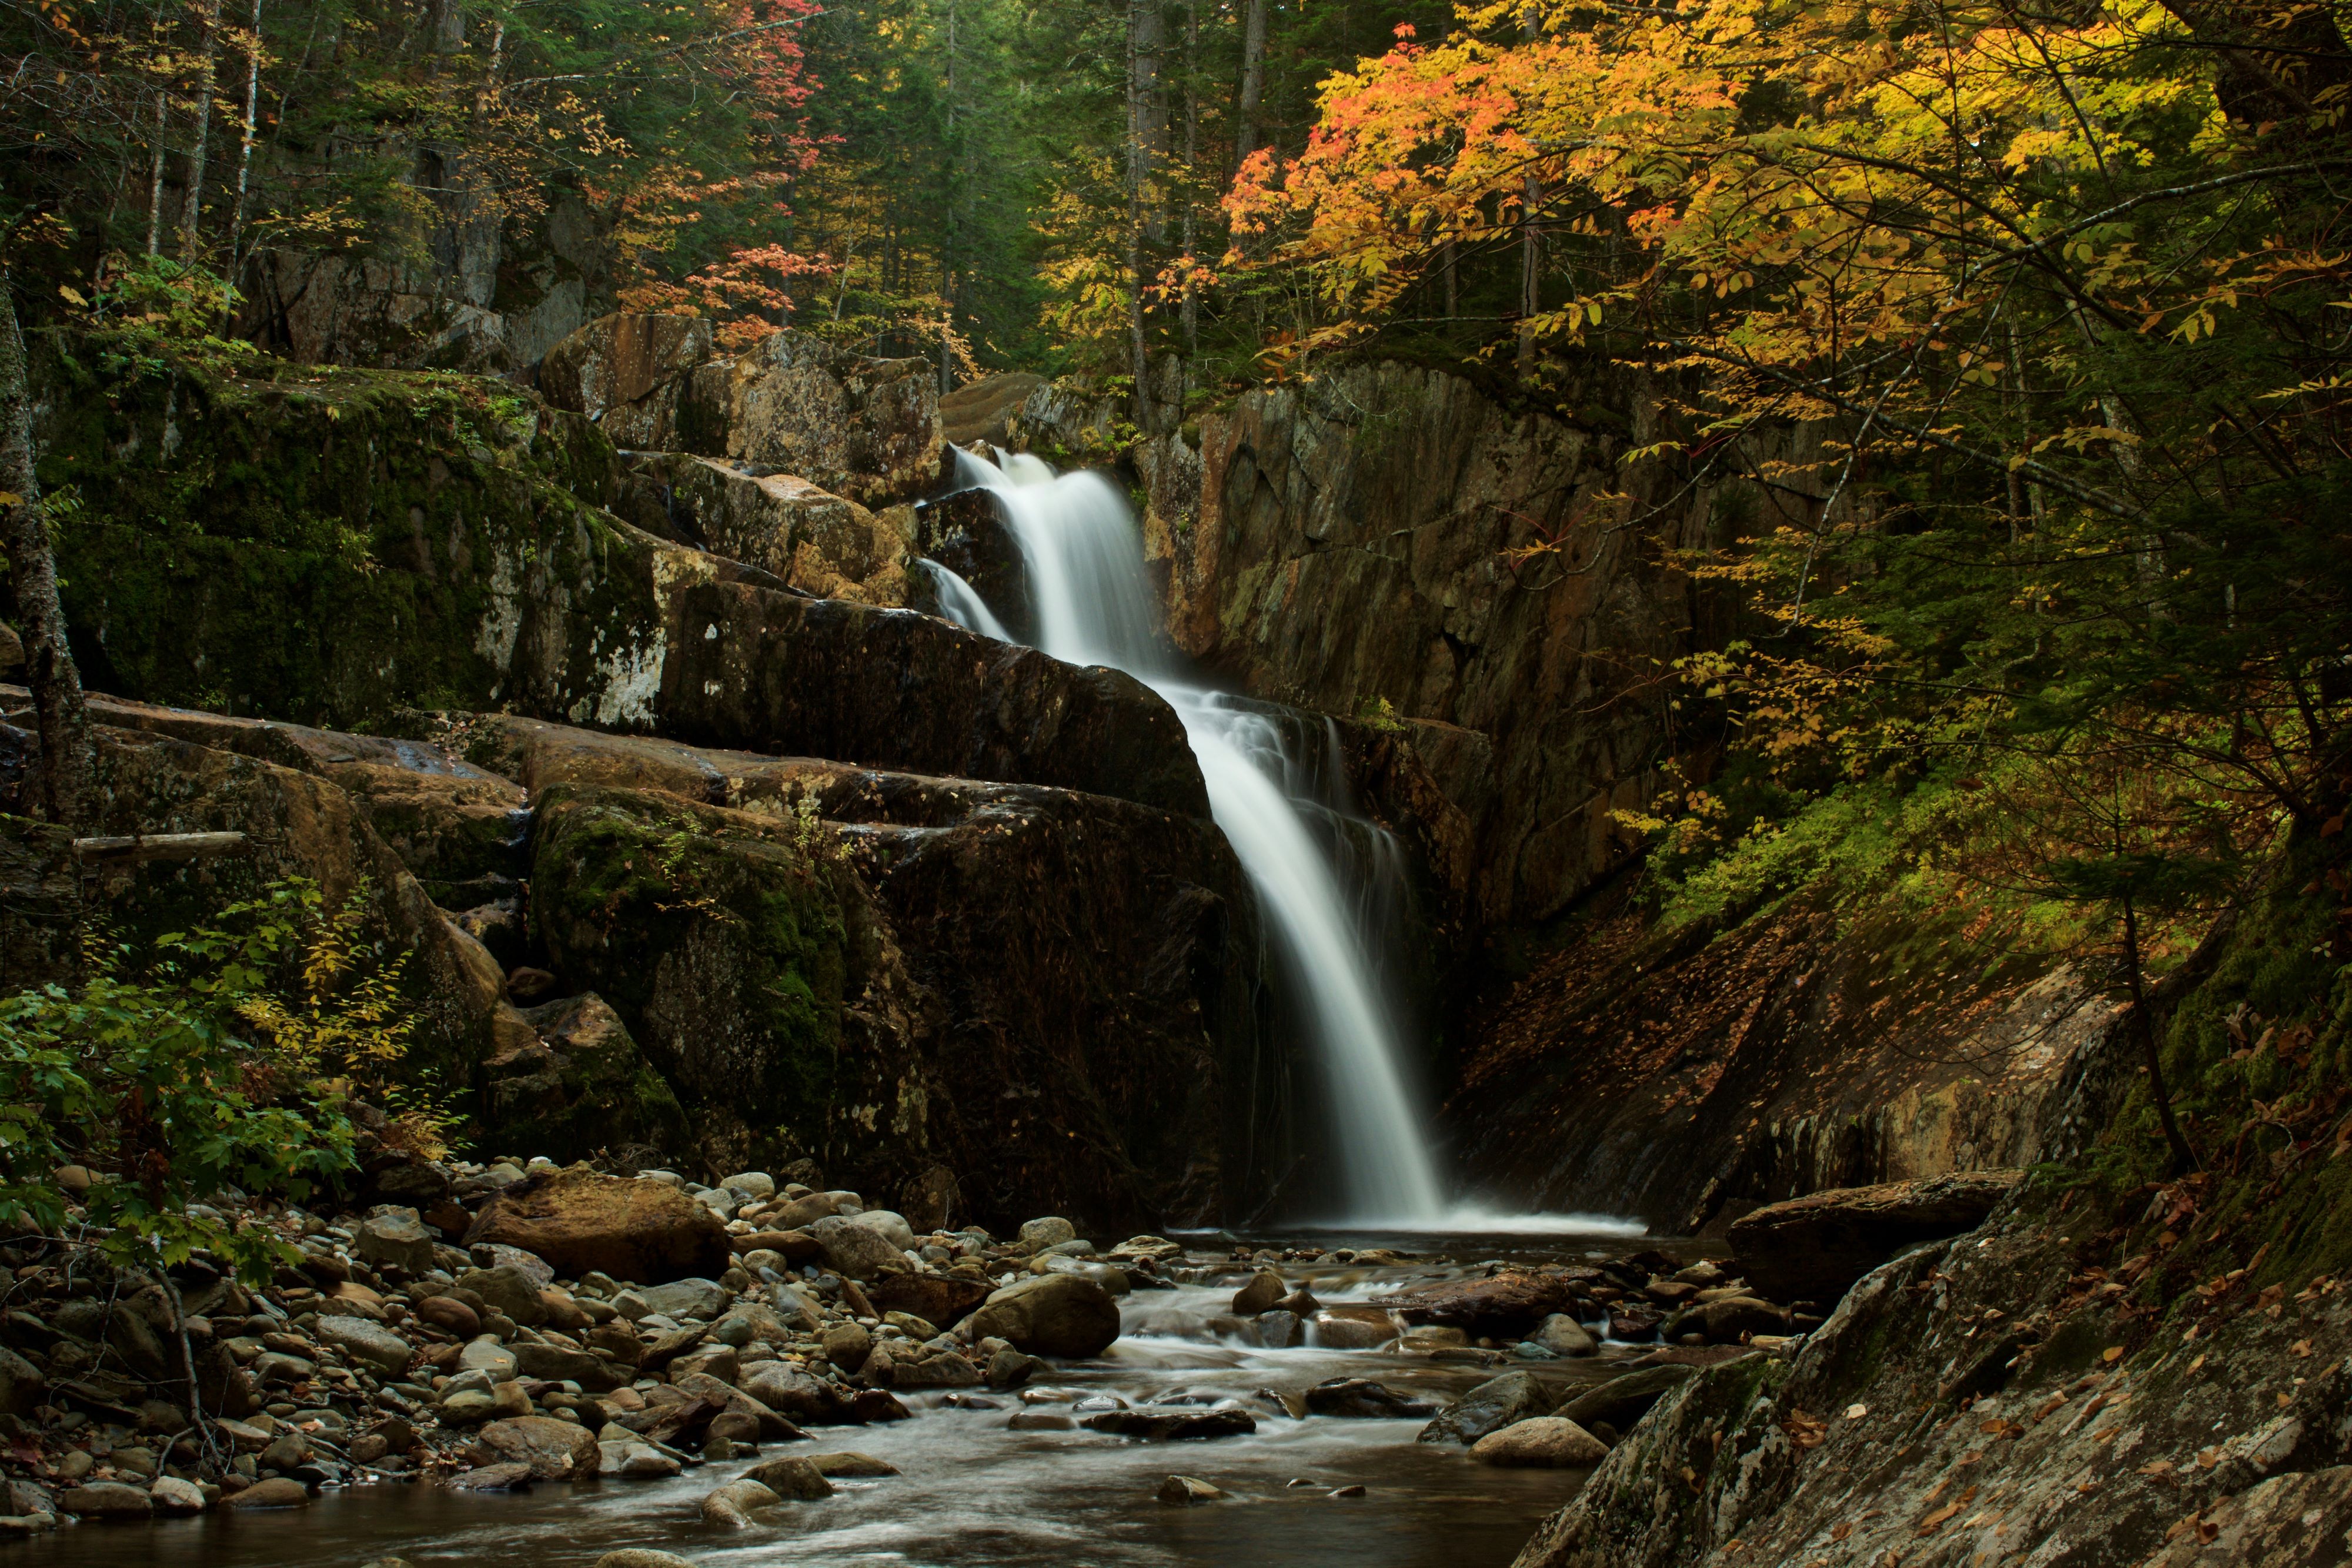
{"x": 961, "y": 602}
{"x": 1080, "y": 547}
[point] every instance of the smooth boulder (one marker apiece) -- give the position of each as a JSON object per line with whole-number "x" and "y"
{"x": 1050, "y": 1314}
{"x": 856, "y": 1251}
{"x": 582, "y": 1222}
{"x": 550, "y": 1449}
{"x": 1497, "y": 1403}
{"x": 1540, "y": 1442}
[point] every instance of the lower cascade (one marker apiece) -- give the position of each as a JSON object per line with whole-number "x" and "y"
{"x": 1084, "y": 559}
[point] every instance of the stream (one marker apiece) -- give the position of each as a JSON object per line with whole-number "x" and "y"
{"x": 973, "y": 1492}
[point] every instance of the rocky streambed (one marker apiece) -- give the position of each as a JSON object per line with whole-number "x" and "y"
{"x": 753, "y": 1371}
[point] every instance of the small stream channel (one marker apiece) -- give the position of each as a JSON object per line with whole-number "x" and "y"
{"x": 974, "y": 1492}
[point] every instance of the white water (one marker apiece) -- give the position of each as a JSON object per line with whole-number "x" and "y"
{"x": 1085, "y": 563}
{"x": 961, "y": 602}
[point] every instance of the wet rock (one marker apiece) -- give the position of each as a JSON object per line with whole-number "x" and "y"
{"x": 870, "y": 1404}
{"x": 170, "y": 1495}
{"x": 1041, "y": 1421}
{"x": 451, "y": 1315}
{"x": 1563, "y": 1335}
{"x": 278, "y": 1491}
{"x": 1507, "y": 1306}
{"x": 1490, "y": 1407}
{"x": 846, "y": 1345}
{"x": 847, "y": 1464}
{"x": 1050, "y": 1314}
{"x": 396, "y": 1237}
{"x": 946, "y": 1370}
{"x": 22, "y": 1385}
{"x": 106, "y": 1500}
{"x": 509, "y": 1476}
{"x": 635, "y": 1461}
{"x": 856, "y": 1251}
{"x": 1173, "y": 1426}
{"x": 717, "y": 1361}
{"x": 792, "y": 1475}
{"x": 645, "y": 1232}
{"x": 1011, "y": 1368}
{"x": 1814, "y": 1248}
{"x": 553, "y": 1450}
{"x": 773, "y": 1425}
{"x": 1540, "y": 1442}
{"x": 939, "y": 1299}
{"x": 1180, "y": 1491}
{"x": 1300, "y": 1303}
{"x": 489, "y": 1357}
{"x": 1280, "y": 1330}
{"x": 1621, "y": 1401}
{"x": 1363, "y": 1397}
{"x": 367, "y": 1342}
{"x": 1353, "y": 1328}
{"x": 794, "y": 1393}
{"x": 808, "y": 536}
{"x": 731, "y": 1506}
{"x": 559, "y": 1364}
{"x": 1259, "y": 1295}
{"x": 642, "y": 1557}
{"x": 1634, "y": 1322}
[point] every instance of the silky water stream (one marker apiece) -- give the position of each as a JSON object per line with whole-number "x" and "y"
{"x": 973, "y": 1493}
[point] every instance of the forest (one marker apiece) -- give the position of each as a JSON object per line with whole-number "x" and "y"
{"x": 1630, "y": 721}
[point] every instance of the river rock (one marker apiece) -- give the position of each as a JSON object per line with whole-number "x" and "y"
{"x": 395, "y": 1236}
{"x": 1813, "y": 1248}
{"x": 1497, "y": 1403}
{"x": 277, "y": 1491}
{"x": 642, "y": 1557}
{"x": 1563, "y": 1335}
{"x": 1356, "y": 1328}
{"x": 1506, "y": 1306}
{"x": 635, "y": 1461}
{"x": 365, "y": 1341}
{"x": 945, "y": 1370}
{"x": 940, "y": 1299}
{"x": 582, "y": 1222}
{"x": 1051, "y": 1231}
{"x": 106, "y": 1500}
{"x": 450, "y": 1315}
{"x": 553, "y": 1450}
{"x": 731, "y": 1506}
{"x": 172, "y": 1495}
{"x": 1173, "y": 1426}
{"x": 560, "y": 1363}
{"x": 509, "y": 1476}
{"x": 846, "y": 1345}
{"x": 1540, "y": 1442}
{"x": 1731, "y": 1320}
{"x": 22, "y": 1385}
{"x": 1010, "y": 1368}
{"x": 848, "y": 1464}
{"x": 489, "y": 1357}
{"x": 1041, "y": 1421}
{"x": 734, "y": 1401}
{"x": 856, "y": 1251}
{"x": 792, "y": 1475}
{"x": 506, "y": 1289}
{"x": 891, "y": 1227}
{"x": 1363, "y": 1397}
{"x": 1265, "y": 1289}
{"x": 1279, "y": 1330}
{"x": 1621, "y": 1401}
{"x": 794, "y": 1393}
{"x": 683, "y": 1298}
{"x": 1050, "y": 1314}
{"x": 1180, "y": 1491}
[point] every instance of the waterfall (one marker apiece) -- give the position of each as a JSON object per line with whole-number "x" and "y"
{"x": 961, "y": 602}
{"x": 1084, "y": 558}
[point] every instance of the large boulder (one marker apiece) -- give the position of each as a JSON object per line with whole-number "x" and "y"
{"x": 626, "y": 374}
{"x": 941, "y": 1300}
{"x": 550, "y": 1449}
{"x": 1621, "y": 1401}
{"x": 1540, "y": 1442}
{"x": 1050, "y": 1314}
{"x": 1813, "y": 1248}
{"x": 1492, "y": 1405}
{"x": 578, "y": 1084}
{"x": 868, "y": 429}
{"x": 983, "y": 410}
{"x": 367, "y": 1342}
{"x": 1509, "y": 1305}
{"x": 645, "y": 1232}
{"x": 811, "y": 539}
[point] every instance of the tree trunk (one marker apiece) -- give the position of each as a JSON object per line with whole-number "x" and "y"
{"x": 2184, "y": 1158}
{"x": 1453, "y": 287}
{"x": 191, "y": 209}
{"x": 244, "y": 161}
{"x": 58, "y": 716}
{"x": 1192, "y": 166}
{"x": 155, "y": 169}
{"x": 1530, "y": 250}
{"x": 1138, "y": 170}
{"x": 1252, "y": 82}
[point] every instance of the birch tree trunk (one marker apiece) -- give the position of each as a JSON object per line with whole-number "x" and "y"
{"x": 191, "y": 209}
{"x": 1252, "y": 82}
{"x": 58, "y": 715}
{"x": 244, "y": 159}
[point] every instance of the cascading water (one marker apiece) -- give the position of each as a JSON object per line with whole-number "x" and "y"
{"x": 1085, "y": 563}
